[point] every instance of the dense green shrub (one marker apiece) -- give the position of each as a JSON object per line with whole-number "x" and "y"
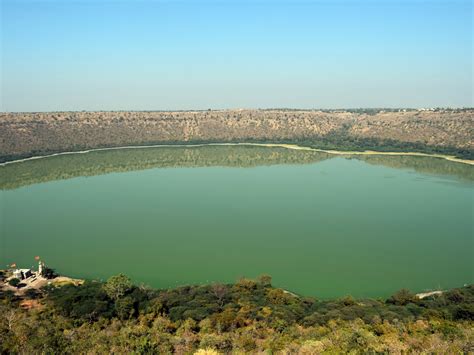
{"x": 14, "y": 282}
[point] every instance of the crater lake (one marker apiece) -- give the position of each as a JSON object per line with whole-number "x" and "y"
{"x": 321, "y": 225}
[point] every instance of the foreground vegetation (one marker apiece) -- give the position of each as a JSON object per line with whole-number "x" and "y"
{"x": 248, "y": 316}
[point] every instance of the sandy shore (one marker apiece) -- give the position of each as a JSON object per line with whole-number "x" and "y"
{"x": 428, "y": 294}
{"x": 270, "y": 145}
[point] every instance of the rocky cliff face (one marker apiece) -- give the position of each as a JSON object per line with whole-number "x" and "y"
{"x": 26, "y": 134}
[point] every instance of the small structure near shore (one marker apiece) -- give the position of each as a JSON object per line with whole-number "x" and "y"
{"x": 22, "y": 274}
{"x": 21, "y": 280}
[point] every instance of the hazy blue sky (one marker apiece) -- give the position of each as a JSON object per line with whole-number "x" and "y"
{"x": 145, "y": 54}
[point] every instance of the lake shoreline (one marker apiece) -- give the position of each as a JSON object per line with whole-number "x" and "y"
{"x": 269, "y": 145}
{"x": 37, "y": 281}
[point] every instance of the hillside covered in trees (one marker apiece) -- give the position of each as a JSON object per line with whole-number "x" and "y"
{"x": 428, "y": 131}
{"x": 248, "y": 316}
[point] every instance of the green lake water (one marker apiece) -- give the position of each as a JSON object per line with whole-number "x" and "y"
{"x": 321, "y": 225}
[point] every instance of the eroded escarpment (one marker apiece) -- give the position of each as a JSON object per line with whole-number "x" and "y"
{"x": 442, "y": 131}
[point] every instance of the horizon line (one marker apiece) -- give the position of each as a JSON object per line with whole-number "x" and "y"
{"x": 260, "y": 109}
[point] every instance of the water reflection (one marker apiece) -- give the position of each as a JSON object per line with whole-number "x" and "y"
{"x": 103, "y": 162}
